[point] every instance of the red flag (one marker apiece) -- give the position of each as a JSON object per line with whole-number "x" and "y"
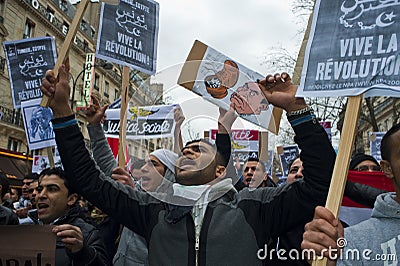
{"x": 373, "y": 179}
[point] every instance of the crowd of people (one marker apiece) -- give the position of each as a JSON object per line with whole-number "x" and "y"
{"x": 191, "y": 205}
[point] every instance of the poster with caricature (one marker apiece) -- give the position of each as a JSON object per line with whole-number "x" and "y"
{"x": 27, "y": 62}
{"x": 353, "y": 49}
{"x": 225, "y": 82}
{"x": 37, "y": 123}
{"x": 128, "y": 34}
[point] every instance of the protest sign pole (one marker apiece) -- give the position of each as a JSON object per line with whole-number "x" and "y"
{"x": 339, "y": 176}
{"x": 50, "y": 156}
{"x": 122, "y": 127}
{"x": 67, "y": 43}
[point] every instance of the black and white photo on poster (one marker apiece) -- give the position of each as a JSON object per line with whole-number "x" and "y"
{"x": 352, "y": 49}
{"x": 37, "y": 121}
{"x": 128, "y": 34}
{"x": 27, "y": 61}
{"x": 142, "y": 122}
{"x": 289, "y": 154}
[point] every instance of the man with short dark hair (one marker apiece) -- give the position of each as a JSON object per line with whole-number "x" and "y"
{"x": 254, "y": 174}
{"x": 202, "y": 220}
{"x": 78, "y": 242}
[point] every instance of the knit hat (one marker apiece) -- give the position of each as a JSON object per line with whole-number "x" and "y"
{"x": 167, "y": 157}
{"x": 360, "y": 157}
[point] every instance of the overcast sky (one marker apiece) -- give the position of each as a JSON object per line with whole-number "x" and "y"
{"x": 243, "y": 30}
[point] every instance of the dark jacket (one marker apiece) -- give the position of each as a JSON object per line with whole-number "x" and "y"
{"x": 235, "y": 226}
{"x": 7, "y": 217}
{"x": 93, "y": 251}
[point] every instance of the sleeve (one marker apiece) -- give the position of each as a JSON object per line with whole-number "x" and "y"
{"x": 283, "y": 208}
{"x": 362, "y": 194}
{"x": 93, "y": 252}
{"x": 86, "y": 179}
{"x": 102, "y": 153}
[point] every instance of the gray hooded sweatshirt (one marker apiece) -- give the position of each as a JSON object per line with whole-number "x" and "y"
{"x": 375, "y": 241}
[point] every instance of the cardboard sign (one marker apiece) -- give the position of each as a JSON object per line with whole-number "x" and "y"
{"x": 286, "y": 155}
{"x": 375, "y": 139}
{"x": 27, "y": 61}
{"x": 128, "y": 34}
{"x": 222, "y": 81}
{"x": 38, "y": 248}
{"x": 142, "y": 122}
{"x": 352, "y": 49}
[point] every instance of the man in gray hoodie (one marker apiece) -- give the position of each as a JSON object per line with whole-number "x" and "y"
{"x": 375, "y": 241}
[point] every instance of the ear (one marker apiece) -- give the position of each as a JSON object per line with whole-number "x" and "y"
{"x": 387, "y": 169}
{"x": 220, "y": 171}
{"x": 72, "y": 199}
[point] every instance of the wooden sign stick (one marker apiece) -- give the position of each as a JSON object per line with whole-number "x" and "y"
{"x": 67, "y": 43}
{"x": 50, "y": 155}
{"x": 339, "y": 176}
{"x": 122, "y": 127}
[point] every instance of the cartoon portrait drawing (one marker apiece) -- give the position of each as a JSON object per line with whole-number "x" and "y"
{"x": 40, "y": 123}
{"x": 217, "y": 85}
{"x": 249, "y": 99}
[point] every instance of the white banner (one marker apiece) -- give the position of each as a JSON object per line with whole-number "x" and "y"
{"x": 145, "y": 122}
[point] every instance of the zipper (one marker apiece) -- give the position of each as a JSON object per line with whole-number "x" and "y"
{"x": 197, "y": 247}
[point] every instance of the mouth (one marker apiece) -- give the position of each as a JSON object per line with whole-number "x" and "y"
{"x": 42, "y": 206}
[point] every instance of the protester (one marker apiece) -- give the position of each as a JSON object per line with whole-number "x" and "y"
{"x": 78, "y": 242}
{"x": 181, "y": 235}
{"x": 7, "y": 217}
{"x": 14, "y": 194}
{"x": 363, "y": 162}
{"x": 155, "y": 173}
{"x": 255, "y": 176}
{"x": 379, "y": 234}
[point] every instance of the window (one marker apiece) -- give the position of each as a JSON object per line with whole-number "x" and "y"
{"x": 96, "y": 82}
{"x": 83, "y": 25}
{"x": 64, "y": 5}
{"x": 29, "y": 28}
{"x": 13, "y": 144}
{"x": 106, "y": 88}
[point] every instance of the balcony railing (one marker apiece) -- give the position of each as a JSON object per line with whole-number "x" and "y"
{"x": 11, "y": 116}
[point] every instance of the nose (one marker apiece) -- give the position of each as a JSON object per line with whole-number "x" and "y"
{"x": 299, "y": 174}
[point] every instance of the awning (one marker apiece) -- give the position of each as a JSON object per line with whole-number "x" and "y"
{"x": 15, "y": 167}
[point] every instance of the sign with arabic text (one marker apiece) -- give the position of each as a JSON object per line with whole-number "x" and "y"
{"x": 145, "y": 122}
{"x": 27, "y": 62}
{"x": 128, "y": 34}
{"x": 353, "y": 49}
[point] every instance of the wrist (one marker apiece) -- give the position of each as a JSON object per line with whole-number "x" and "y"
{"x": 62, "y": 111}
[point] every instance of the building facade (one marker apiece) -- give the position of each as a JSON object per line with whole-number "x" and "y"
{"x": 21, "y": 19}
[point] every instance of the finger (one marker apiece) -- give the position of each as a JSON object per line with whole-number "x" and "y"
{"x": 324, "y": 213}
{"x": 322, "y": 226}
{"x": 95, "y": 101}
{"x": 104, "y": 108}
{"x": 278, "y": 78}
{"x": 285, "y": 76}
{"x": 120, "y": 171}
{"x": 64, "y": 227}
{"x": 269, "y": 79}
{"x": 320, "y": 238}
{"x": 63, "y": 73}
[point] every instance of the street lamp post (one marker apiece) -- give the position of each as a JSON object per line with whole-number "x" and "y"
{"x": 106, "y": 66}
